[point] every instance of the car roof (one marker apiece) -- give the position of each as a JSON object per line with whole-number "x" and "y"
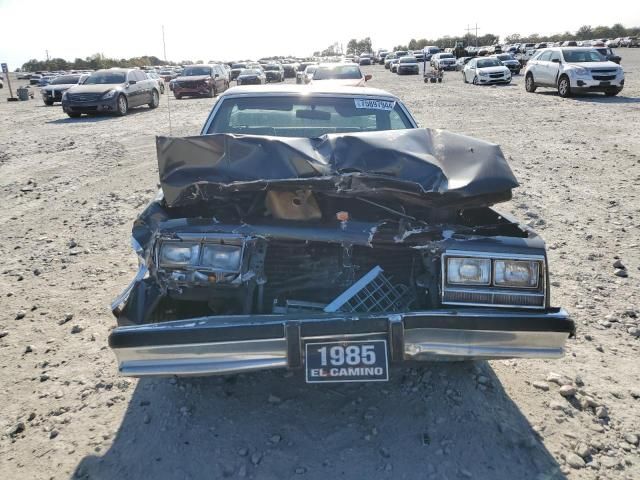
{"x": 294, "y": 89}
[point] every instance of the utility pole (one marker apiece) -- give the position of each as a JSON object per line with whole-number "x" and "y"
{"x": 469, "y": 29}
{"x": 47, "y": 52}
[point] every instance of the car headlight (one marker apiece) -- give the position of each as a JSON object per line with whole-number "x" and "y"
{"x": 581, "y": 72}
{"x": 178, "y": 254}
{"x": 226, "y": 258}
{"x": 468, "y": 271}
{"x": 64, "y": 96}
{"x": 482, "y": 74}
{"x": 516, "y": 273}
{"x": 109, "y": 94}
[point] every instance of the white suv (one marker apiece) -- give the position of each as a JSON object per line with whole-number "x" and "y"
{"x": 573, "y": 69}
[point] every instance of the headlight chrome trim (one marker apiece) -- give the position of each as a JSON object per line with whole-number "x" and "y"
{"x": 202, "y": 242}
{"x": 493, "y": 295}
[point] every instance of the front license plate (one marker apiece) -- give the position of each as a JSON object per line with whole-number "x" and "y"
{"x": 349, "y": 361}
{"x": 604, "y": 84}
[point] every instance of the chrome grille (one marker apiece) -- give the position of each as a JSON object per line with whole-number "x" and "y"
{"x": 84, "y": 97}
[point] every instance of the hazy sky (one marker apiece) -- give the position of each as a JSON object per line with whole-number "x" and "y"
{"x": 224, "y": 30}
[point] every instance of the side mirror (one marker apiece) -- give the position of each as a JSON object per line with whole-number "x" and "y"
{"x": 555, "y": 60}
{"x": 132, "y": 82}
{"x": 368, "y": 77}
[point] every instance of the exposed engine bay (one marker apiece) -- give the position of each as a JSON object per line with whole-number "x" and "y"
{"x": 250, "y": 225}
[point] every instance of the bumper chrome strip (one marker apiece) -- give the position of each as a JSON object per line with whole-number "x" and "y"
{"x": 422, "y": 344}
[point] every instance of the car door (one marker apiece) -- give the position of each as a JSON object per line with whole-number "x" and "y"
{"x": 470, "y": 70}
{"x": 218, "y": 72}
{"x": 144, "y": 87}
{"x": 132, "y": 91}
{"x": 541, "y": 72}
{"x": 554, "y": 67}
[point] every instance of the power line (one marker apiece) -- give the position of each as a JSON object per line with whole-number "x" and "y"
{"x": 469, "y": 29}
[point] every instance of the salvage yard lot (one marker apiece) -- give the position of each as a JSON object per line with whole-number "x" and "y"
{"x": 71, "y": 189}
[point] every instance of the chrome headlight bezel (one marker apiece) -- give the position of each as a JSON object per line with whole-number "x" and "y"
{"x": 495, "y": 293}
{"x": 201, "y": 246}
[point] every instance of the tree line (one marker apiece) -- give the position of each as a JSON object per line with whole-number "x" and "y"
{"x": 586, "y": 32}
{"x": 96, "y": 62}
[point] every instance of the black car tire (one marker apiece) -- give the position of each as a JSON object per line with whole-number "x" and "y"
{"x": 48, "y": 103}
{"x": 161, "y": 89}
{"x": 529, "y": 83}
{"x": 211, "y": 93}
{"x": 517, "y": 72}
{"x": 155, "y": 99}
{"x": 122, "y": 105}
{"x": 475, "y": 80}
{"x": 74, "y": 114}
{"x": 612, "y": 92}
{"x": 564, "y": 87}
{"x": 464, "y": 78}
{"x": 177, "y": 95}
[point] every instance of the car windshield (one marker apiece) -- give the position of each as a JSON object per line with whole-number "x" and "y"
{"x": 488, "y": 62}
{"x": 65, "y": 79}
{"x": 401, "y": 53}
{"x": 250, "y": 71}
{"x": 338, "y": 72}
{"x": 580, "y": 56}
{"x": 196, "y": 71}
{"x": 239, "y": 65}
{"x": 105, "y": 78}
{"x": 446, "y": 55}
{"x": 505, "y": 57}
{"x": 310, "y": 69}
{"x": 307, "y": 116}
{"x": 408, "y": 60}
{"x": 166, "y": 72}
{"x": 271, "y": 68}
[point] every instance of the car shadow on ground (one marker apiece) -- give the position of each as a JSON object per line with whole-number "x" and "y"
{"x": 99, "y": 117}
{"x": 592, "y": 97}
{"x": 447, "y": 420}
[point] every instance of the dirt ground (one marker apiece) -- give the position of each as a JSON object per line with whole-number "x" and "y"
{"x": 70, "y": 190}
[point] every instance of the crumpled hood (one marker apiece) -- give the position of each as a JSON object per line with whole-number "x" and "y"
{"x": 417, "y": 165}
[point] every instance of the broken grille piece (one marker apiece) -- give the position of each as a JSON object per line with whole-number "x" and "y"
{"x": 373, "y": 293}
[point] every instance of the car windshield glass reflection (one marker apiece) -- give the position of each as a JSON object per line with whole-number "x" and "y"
{"x": 105, "y": 78}
{"x": 195, "y": 71}
{"x": 580, "y": 56}
{"x": 489, "y": 62}
{"x": 345, "y": 72}
{"x": 304, "y": 117}
{"x": 65, "y": 79}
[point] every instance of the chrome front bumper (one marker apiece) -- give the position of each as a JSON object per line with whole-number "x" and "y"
{"x": 224, "y": 345}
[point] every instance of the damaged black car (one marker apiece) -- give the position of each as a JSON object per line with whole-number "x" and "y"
{"x": 318, "y": 228}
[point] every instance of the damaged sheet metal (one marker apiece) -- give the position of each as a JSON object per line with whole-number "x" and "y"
{"x": 432, "y": 166}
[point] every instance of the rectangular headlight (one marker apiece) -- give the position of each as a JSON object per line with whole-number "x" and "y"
{"x": 516, "y": 273}
{"x": 468, "y": 271}
{"x": 178, "y": 254}
{"x": 226, "y": 258}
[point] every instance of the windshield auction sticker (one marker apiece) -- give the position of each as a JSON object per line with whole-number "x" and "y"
{"x": 371, "y": 104}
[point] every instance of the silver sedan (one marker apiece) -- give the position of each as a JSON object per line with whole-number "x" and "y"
{"x": 486, "y": 71}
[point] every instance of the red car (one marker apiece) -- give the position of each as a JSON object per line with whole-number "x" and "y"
{"x": 200, "y": 80}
